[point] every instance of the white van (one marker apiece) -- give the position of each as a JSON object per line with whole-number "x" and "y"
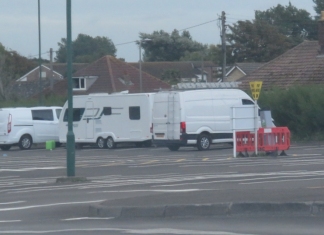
{"x": 108, "y": 119}
{"x": 195, "y": 117}
{"x": 25, "y": 126}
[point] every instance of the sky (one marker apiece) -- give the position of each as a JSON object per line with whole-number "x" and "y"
{"x": 121, "y": 21}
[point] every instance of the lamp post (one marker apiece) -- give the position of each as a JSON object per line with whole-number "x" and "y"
{"x": 140, "y": 64}
{"x": 140, "y": 60}
{"x": 70, "y": 139}
{"x": 39, "y": 56}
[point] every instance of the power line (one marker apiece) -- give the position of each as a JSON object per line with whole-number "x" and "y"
{"x": 194, "y": 26}
{"x": 198, "y": 25}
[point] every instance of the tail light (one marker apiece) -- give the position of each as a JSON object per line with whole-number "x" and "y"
{"x": 9, "y": 123}
{"x": 182, "y": 127}
{"x": 151, "y": 129}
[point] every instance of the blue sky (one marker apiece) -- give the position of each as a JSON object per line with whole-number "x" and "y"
{"x": 121, "y": 20}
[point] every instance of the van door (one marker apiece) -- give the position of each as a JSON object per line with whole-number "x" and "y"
{"x": 5, "y": 125}
{"x": 89, "y": 115}
{"x": 166, "y": 116}
{"x": 45, "y": 127}
{"x": 173, "y": 117}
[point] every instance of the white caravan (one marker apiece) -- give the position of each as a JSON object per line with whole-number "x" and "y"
{"x": 109, "y": 119}
{"x": 195, "y": 117}
{"x": 25, "y": 126}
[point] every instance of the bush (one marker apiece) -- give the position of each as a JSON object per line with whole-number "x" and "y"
{"x": 47, "y": 101}
{"x": 300, "y": 108}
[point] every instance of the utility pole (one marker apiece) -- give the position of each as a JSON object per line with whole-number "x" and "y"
{"x": 51, "y": 67}
{"x": 223, "y": 35}
{"x": 39, "y": 57}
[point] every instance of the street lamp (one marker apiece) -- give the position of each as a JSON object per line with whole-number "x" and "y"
{"x": 39, "y": 56}
{"x": 140, "y": 60}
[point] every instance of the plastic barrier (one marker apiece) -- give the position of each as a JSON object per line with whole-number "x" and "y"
{"x": 269, "y": 140}
{"x": 273, "y": 139}
{"x": 245, "y": 141}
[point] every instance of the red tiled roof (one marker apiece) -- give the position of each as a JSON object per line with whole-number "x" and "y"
{"x": 110, "y": 73}
{"x": 299, "y": 66}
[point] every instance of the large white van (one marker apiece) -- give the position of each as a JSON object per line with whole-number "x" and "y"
{"x": 108, "y": 119}
{"x": 25, "y": 126}
{"x": 195, "y": 117}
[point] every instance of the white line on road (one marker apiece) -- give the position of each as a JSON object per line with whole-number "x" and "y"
{"x": 9, "y": 221}
{"x": 88, "y": 218}
{"x": 48, "y": 205}
{"x": 128, "y": 231}
{"x": 8, "y": 203}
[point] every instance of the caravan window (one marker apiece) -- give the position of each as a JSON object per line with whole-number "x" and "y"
{"x": 43, "y": 114}
{"x": 134, "y": 113}
{"x": 91, "y": 112}
{"x": 77, "y": 114}
{"x": 106, "y": 111}
{"x": 247, "y": 102}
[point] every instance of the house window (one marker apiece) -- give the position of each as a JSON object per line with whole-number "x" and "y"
{"x": 79, "y": 83}
{"x": 134, "y": 113}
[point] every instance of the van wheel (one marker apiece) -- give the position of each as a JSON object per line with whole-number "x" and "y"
{"x": 111, "y": 143}
{"x": 174, "y": 147}
{"x": 5, "y": 147}
{"x": 203, "y": 142}
{"x": 25, "y": 142}
{"x": 101, "y": 143}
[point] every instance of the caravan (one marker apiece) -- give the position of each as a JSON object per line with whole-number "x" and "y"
{"x": 108, "y": 119}
{"x": 195, "y": 117}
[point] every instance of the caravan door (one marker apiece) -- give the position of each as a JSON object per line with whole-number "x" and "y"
{"x": 90, "y": 114}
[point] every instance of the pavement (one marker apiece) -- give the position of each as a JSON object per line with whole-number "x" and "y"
{"x": 214, "y": 203}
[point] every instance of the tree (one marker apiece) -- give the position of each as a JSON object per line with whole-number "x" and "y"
{"x": 290, "y": 21}
{"x": 86, "y": 49}
{"x": 319, "y": 6}
{"x": 162, "y": 46}
{"x": 171, "y": 76}
{"x": 12, "y": 66}
{"x": 256, "y": 41}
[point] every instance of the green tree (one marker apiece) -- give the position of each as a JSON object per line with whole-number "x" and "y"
{"x": 171, "y": 76}
{"x": 162, "y": 46}
{"x": 86, "y": 49}
{"x": 12, "y": 66}
{"x": 319, "y": 6}
{"x": 256, "y": 41}
{"x": 295, "y": 23}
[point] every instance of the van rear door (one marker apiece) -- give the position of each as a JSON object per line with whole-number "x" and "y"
{"x": 166, "y": 116}
{"x": 4, "y": 124}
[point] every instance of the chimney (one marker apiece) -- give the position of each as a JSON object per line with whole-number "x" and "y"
{"x": 321, "y": 33}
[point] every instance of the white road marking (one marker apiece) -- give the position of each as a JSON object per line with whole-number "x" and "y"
{"x": 88, "y": 218}
{"x": 8, "y": 203}
{"x": 127, "y": 231}
{"x": 48, "y": 205}
{"x": 9, "y": 221}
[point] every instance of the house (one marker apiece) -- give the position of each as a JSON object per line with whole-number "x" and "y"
{"x": 29, "y": 84}
{"x": 188, "y": 71}
{"x": 108, "y": 75}
{"x": 301, "y": 65}
{"x": 241, "y": 69}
